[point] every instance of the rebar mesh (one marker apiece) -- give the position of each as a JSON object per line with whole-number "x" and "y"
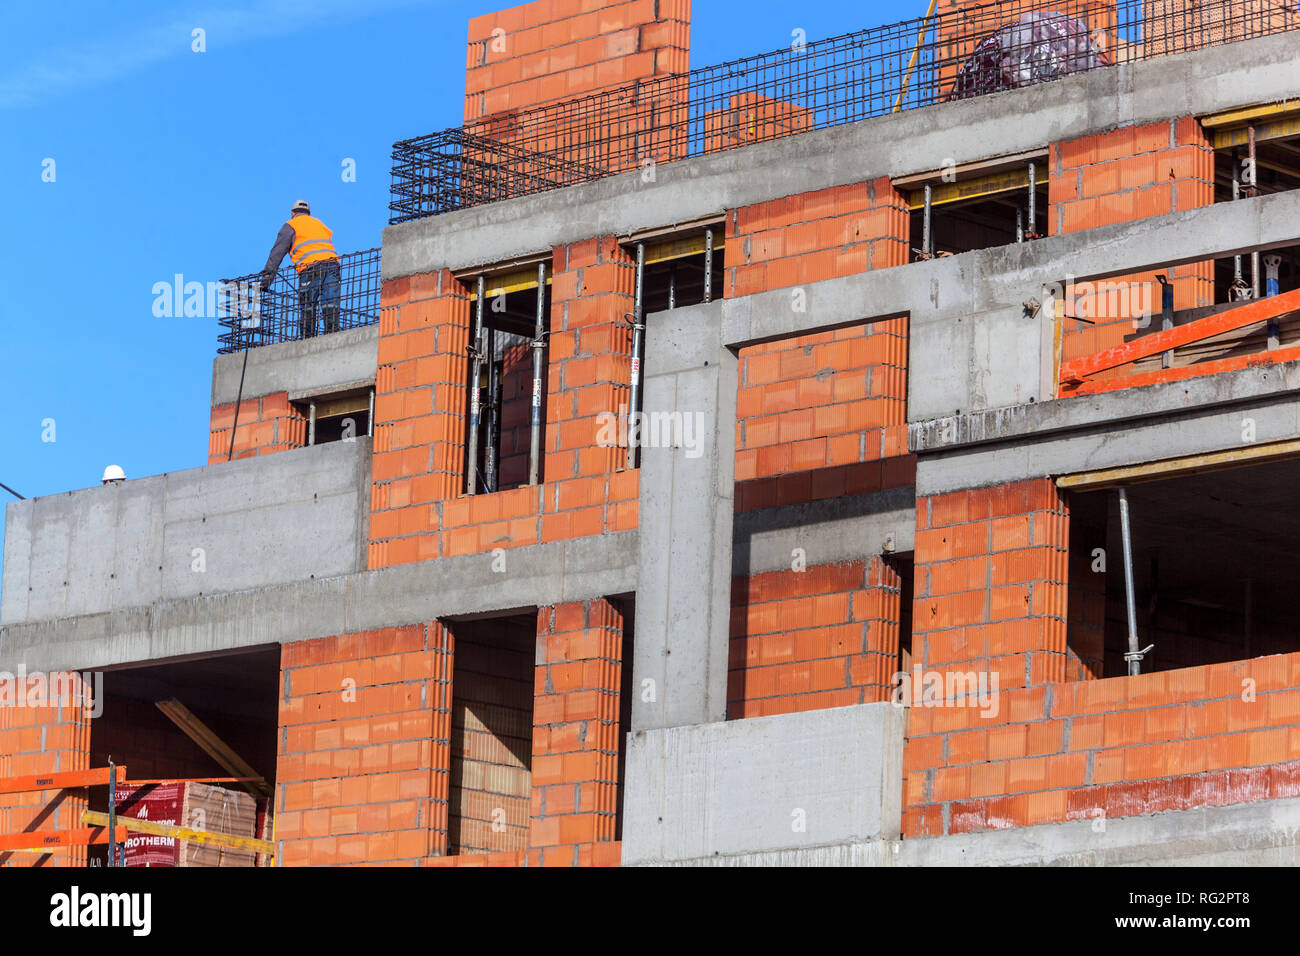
{"x": 956, "y": 54}
{"x": 249, "y": 317}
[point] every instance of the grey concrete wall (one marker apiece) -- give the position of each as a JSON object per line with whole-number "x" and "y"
{"x": 763, "y": 784}
{"x": 311, "y": 365}
{"x": 1266, "y": 833}
{"x": 258, "y": 521}
{"x": 683, "y": 610}
{"x": 916, "y": 141}
{"x": 552, "y": 573}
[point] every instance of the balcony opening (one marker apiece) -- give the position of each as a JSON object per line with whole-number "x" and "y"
{"x": 337, "y": 416}
{"x": 161, "y": 721}
{"x": 501, "y": 369}
{"x": 977, "y": 206}
{"x": 1214, "y": 558}
{"x": 492, "y": 734}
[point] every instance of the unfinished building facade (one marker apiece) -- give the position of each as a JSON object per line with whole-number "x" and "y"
{"x": 879, "y": 451}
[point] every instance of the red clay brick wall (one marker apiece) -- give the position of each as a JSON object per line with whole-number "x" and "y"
{"x": 826, "y": 412}
{"x": 576, "y": 733}
{"x": 363, "y": 768}
{"x": 420, "y": 413}
{"x": 590, "y": 357}
{"x": 991, "y": 582}
{"x": 553, "y": 50}
{"x": 814, "y": 236}
{"x": 39, "y": 740}
{"x": 418, "y": 507}
{"x": 267, "y": 424}
{"x": 826, "y": 636}
{"x": 1173, "y": 740}
{"x": 1119, "y": 176}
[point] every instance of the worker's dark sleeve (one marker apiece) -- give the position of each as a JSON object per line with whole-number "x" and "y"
{"x": 283, "y": 243}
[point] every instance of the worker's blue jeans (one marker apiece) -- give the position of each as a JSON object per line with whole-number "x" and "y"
{"x": 318, "y": 295}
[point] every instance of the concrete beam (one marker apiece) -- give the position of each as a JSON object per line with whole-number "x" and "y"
{"x": 915, "y": 141}
{"x": 683, "y": 610}
{"x": 310, "y": 365}
{"x": 557, "y": 572}
{"x": 848, "y": 528}
{"x": 763, "y": 784}
{"x": 1151, "y": 424}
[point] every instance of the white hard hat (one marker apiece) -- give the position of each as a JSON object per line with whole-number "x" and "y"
{"x": 301, "y": 206}
{"x": 113, "y": 473}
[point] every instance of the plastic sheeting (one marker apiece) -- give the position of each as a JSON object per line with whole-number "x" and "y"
{"x": 1039, "y": 47}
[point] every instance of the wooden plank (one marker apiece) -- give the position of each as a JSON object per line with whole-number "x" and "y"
{"x": 212, "y": 745}
{"x": 53, "y": 839}
{"x": 1283, "y": 128}
{"x": 230, "y": 841}
{"x": 980, "y": 167}
{"x": 1013, "y": 180}
{"x": 1242, "y": 115}
{"x": 678, "y": 249}
{"x": 63, "y": 780}
{"x": 1248, "y": 313}
{"x": 1181, "y": 467}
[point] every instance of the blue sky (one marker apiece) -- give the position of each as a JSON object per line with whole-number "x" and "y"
{"x": 167, "y": 161}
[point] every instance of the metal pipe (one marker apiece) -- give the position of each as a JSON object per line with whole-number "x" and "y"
{"x": 927, "y": 239}
{"x": 493, "y": 417}
{"x": 1020, "y": 225}
{"x": 239, "y": 398}
{"x": 539, "y": 343}
{"x": 476, "y": 364}
{"x": 1238, "y": 282}
{"x": 1134, "y": 656}
{"x": 916, "y": 52}
{"x": 112, "y": 813}
{"x": 638, "y": 329}
{"x": 672, "y": 285}
{"x": 708, "y": 268}
{"x": 1254, "y": 256}
{"x": 311, "y": 424}
{"x": 1032, "y": 226}
{"x": 370, "y": 420}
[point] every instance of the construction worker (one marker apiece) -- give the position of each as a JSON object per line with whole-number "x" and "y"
{"x": 307, "y": 241}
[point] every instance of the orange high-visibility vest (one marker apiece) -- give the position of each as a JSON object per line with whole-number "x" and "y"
{"x": 311, "y": 242}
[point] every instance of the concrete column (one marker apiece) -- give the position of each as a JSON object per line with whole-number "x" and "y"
{"x": 686, "y": 509}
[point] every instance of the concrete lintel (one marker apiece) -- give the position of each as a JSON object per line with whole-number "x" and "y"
{"x": 315, "y": 365}
{"x": 1243, "y": 386}
{"x": 915, "y": 141}
{"x": 552, "y": 573}
{"x": 1175, "y": 434}
{"x": 848, "y": 528}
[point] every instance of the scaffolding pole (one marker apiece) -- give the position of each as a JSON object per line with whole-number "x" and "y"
{"x": 708, "y": 269}
{"x": 539, "y": 343}
{"x": 493, "y": 413}
{"x": 1134, "y": 655}
{"x": 476, "y": 363}
{"x": 638, "y": 331}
